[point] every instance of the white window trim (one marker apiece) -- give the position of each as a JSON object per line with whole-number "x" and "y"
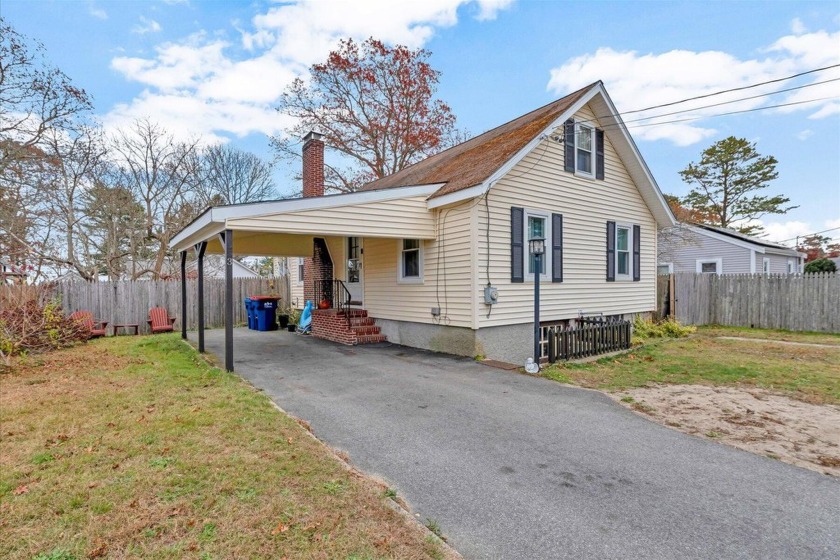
{"x": 421, "y": 254}
{"x": 700, "y": 262}
{"x": 765, "y": 265}
{"x": 588, "y": 174}
{"x": 629, "y": 276}
{"x": 670, "y": 266}
{"x": 300, "y": 262}
{"x": 546, "y": 215}
{"x": 791, "y": 266}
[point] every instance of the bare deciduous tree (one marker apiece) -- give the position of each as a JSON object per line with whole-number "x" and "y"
{"x": 231, "y": 176}
{"x": 34, "y": 96}
{"x": 161, "y": 172}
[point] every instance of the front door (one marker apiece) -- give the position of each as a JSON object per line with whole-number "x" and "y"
{"x": 355, "y": 278}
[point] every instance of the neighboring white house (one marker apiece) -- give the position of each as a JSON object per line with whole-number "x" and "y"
{"x": 10, "y": 273}
{"x": 416, "y": 250}
{"x": 717, "y": 250}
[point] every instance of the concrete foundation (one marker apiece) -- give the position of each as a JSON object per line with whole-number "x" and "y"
{"x": 511, "y": 343}
{"x": 437, "y": 338}
{"x": 508, "y": 343}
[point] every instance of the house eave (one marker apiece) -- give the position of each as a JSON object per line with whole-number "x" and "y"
{"x": 215, "y": 219}
{"x": 625, "y": 145}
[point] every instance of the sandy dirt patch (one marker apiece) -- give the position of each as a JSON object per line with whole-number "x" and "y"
{"x": 756, "y": 420}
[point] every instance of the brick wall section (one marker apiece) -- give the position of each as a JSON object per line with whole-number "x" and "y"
{"x": 313, "y": 165}
{"x": 319, "y": 267}
{"x": 313, "y": 185}
{"x": 332, "y": 325}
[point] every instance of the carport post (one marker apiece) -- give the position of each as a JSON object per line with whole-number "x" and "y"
{"x": 228, "y": 235}
{"x": 200, "y": 249}
{"x": 183, "y": 295}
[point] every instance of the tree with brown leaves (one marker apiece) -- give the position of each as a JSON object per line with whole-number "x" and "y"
{"x": 376, "y": 108}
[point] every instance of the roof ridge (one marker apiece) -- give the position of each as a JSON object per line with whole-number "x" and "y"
{"x": 439, "y": 168}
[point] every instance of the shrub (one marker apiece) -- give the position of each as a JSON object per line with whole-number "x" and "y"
{"x": 648, "y": 328}
{"x": 32, "y": 322}
{"x": 821, "y": 265}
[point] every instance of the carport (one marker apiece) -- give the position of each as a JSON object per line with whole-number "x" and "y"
{"x": 288, "y": 228}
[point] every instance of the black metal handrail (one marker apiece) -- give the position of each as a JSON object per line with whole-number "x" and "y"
{"x": 335, "y": 293}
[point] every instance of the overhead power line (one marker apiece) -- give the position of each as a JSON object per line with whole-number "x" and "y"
{"x": 732, "y": 101}
{"x": 721, "y": 92}
{"x": 765, "y": 107}
{"x": 808, "y": 235}
{"x": 730, "y": 90}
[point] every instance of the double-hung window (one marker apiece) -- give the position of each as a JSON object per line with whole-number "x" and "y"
{"x": 584, "y": 149}
{"x": 300, "y": 263}
{"x": 623, "y": 244}
{"x": 411, "y": 261}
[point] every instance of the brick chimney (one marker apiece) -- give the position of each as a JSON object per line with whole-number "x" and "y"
{"x": 313, "y": 165}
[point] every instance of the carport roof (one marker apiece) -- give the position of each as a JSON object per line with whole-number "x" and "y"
{"x": 216, "y": 219}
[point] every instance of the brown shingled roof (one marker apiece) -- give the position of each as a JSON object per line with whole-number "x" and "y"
{"x": 472, "y": 162}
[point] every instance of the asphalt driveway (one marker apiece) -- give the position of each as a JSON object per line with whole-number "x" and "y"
{"x": 517, "y": 467}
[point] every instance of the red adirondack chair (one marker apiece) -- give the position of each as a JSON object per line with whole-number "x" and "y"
{"x": 160, "y": 321}
{"x": 84, "y": 317}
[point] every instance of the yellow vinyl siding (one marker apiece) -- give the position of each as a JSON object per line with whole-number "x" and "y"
{"x": 295, "y": 284}
{"x": 539, "y": 182}
{"x": 447, "y": 275}
{"x": 404, "y": 217}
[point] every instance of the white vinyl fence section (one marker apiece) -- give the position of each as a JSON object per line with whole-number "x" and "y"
{"x": 796, "y": 302}
{"x": 129, "y": 301}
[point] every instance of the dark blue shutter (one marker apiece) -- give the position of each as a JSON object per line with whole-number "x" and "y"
{"x": 637, "y": 253}
{"x": 557, "y": 247}
{"x": 569, "y": 144}
{"x": 610, "y": 251}
{"x": 517, "y": 246}
{"x": 599, "y": 154}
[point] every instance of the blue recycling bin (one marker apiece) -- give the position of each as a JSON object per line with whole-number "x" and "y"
{"x": 252, "y": 316}
{"x": 265, "y": 312}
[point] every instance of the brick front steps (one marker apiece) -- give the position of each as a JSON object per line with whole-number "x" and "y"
{"x": 331, "y": 324}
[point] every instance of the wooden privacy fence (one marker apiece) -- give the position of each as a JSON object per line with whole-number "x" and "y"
{"x": 587, "y": 339}
{"x": 129, "y": 301}
{"x": 796, "y": 302}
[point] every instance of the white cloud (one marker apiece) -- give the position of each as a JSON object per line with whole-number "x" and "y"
{"x": 489, "y": 9}
{"x": 797, "y": 27}
{"x": 785, "y": 232}
{"x": 636, "y": 81}
{"x": 96, "y": 11}
{"x": 203, "y": 85}
{"x": 805, "y": 134}
{"x": 146, "y": 25}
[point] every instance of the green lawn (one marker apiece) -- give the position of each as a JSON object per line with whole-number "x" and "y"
{"x": 804, "y": 372}
{"x": 135, "y": 447}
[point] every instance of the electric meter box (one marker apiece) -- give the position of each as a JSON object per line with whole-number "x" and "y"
{"x": 491, "y": 295}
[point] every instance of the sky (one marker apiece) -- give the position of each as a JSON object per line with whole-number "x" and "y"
{"x": 215, "y": 69}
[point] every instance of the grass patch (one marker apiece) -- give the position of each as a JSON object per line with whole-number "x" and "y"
{"x": 135, "y": 447}
{"x": 807, "y": 373}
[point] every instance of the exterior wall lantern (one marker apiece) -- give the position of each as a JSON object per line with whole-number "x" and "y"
{"x": 536, "y": 247}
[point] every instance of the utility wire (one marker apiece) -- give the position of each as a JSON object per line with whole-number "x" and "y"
{"x": 730, "y": 90}
{"x": 732, "y": 101}
{"x": 730, "y": 112}
{"x": 807, "y": 235}
{"x": 618, "y": 115}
